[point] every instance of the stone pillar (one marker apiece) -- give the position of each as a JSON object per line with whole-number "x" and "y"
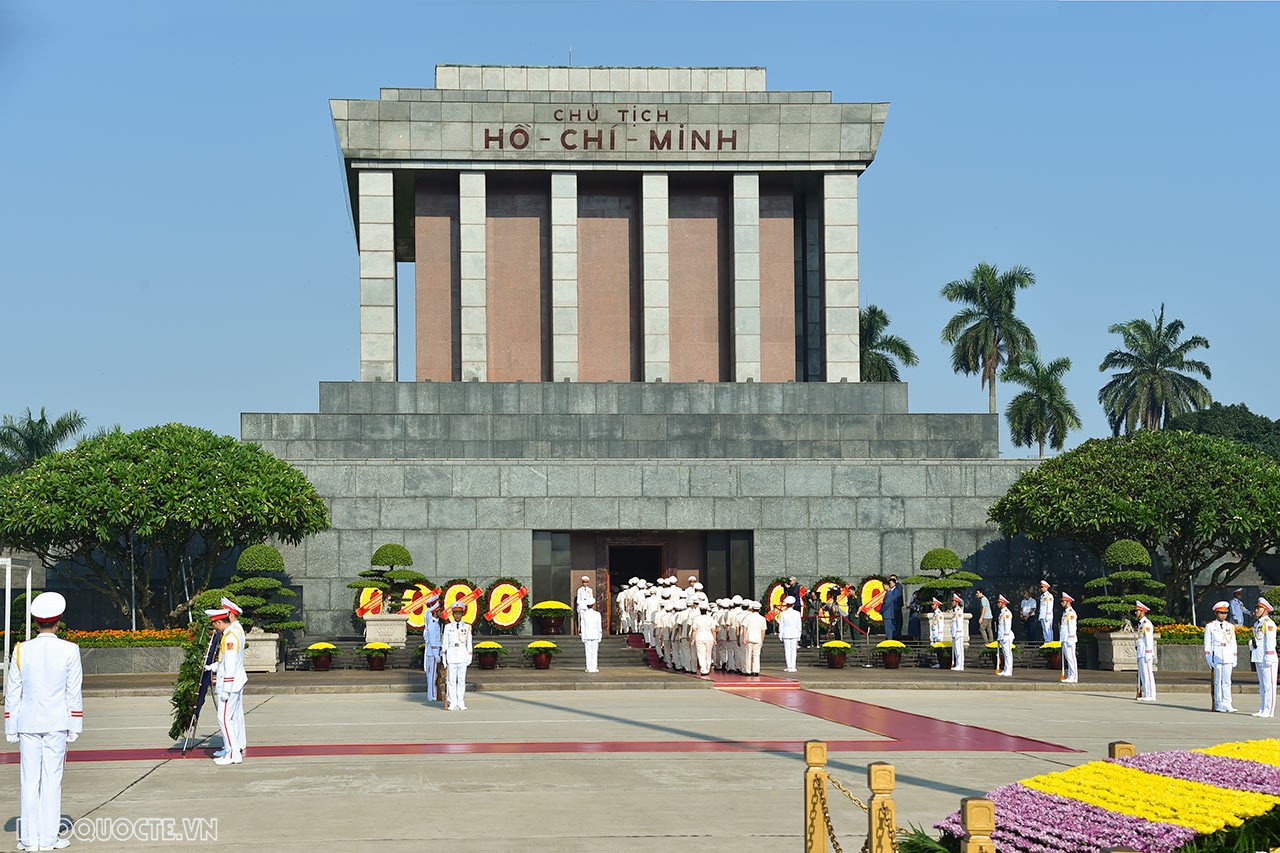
{"x": 657, "y": 298}
{"x": 978, "y": 819}
{"x": 1121, "y": 749}
{"x": 815, "y": 797}
{"x": 472, "y": 210}
{"x": 376, "y": 235}
{"x": 840, "y": 264}
{"x": 564, "y": 276}
{"x": 746, "y": 278}
{"x": 882, "y": 812}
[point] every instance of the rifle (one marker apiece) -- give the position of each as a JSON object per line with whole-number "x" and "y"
{"x": 206, "y": 679}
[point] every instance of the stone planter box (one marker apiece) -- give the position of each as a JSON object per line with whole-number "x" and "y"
{"x": 1117, "y": 651}
{"x": 389, "y": 628}
{"x": 1182, "y": 658}
{"x": 946, "y": 626}
{"x": 261, "y": 651}
{"x": 124, "y": 661}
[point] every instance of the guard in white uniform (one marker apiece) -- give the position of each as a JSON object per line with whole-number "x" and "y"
{"x": 702, "y": 629}
{"x": 957, "y": 632}
{"x": 935, "y": 626}
{"x": 42, "y": 714}
{"x": 584, "y": 592}
{"x": 456, "y": 641}
{"x": 1263, "y": 654}
{"x": 1046, "y": 612}
{"x": 1220, "y": 655}
{"x": 1004, "y": 636}
{"x": 789, "y": 627}
{"x": 591, "y": 631}
{"x": 753, "y": 630}
{"x": 431, "y": 639}
{"x": 1067, "y": 633}
{"x": 1146, "y": 650}
{"x": 227, "y": 684}
{"x": 236, "y": 721}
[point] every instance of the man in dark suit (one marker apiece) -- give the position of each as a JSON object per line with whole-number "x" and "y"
{"x": 891, "y": 608}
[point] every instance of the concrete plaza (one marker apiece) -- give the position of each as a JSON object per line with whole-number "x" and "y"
{"x": 698, "y": 768}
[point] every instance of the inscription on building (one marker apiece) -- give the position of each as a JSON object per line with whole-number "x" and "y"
{"x": 610, "y": 127}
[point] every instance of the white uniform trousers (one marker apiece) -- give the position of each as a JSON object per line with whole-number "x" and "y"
{"x": 456, "y": 679}
{"x": 1046, "y": 629}
{"x": 646, "y": 628}
{"x": 957, "y": 653}
{"x": 431, "y": 667}
{"x": 42, "y": 756}
{"x": 231, "y": 723}
{"x": 592, "y": 648}
{"x": 731, "y": 656}
{"x": 1267, "y": 689}
{"x": 1069, "y": 662}
{"x": 789, "y": 649}
{"x": 752, "y": 664}
{"x": 704, "y": 649}
{"x": 1221, "y": 686}
{"x": 1006, "y": 655}
{"x": 1146, "y": 678}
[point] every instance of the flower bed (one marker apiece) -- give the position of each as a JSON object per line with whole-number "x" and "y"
{"x": 1221, "y": 798}
{"x": 120, "y": 639}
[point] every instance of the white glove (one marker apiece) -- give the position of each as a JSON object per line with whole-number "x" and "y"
{"x": 211, "y": 667}
{"x": 71, "y": 736}
{"x": 223, "y": 697}
{"x": 11, "y": 738}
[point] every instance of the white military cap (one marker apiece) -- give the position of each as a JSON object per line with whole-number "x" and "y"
{"x": 936, "y": 601}
{"x": 586, "y": 578}
{"x": 589, "y": 601}
{"x": 693, "y": 577}
{"x": 1221, "y": 605}
{"x": 737, "y": 599}
{"x": 790, "y": 599}
{"x": 634, "y": 580}
{"x": 755, "y": 605}
{"x": 1138, "y": 605}
{"x": 216, "y": 614}
{"x": 1264, "y": 604}
{"x": 48, "y": 606}
{"x": 231, "y": 605}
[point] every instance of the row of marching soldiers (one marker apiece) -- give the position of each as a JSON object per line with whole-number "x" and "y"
{"x": 690, "y": 632}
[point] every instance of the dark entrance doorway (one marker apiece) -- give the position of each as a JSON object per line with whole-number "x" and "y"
{"x": 634, "y": 561}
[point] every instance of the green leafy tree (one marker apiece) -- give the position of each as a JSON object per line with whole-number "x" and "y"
{"x": 1152, "y": 386}
{"x": 986, "y": 333}
{"x": 950, "y": 576}
{"x": 1210, "y": 504}
{"x": 1235, "y": 422}
{"x": 879, "y": 352}
{"x": 383, "y": 576}
{"x": 145, "y": 518}
{"x": 1042, "y": 413}
{"x": 24, "y": 440}
{"x": 258, "y": 586}
{"x": 1117, "y": 591}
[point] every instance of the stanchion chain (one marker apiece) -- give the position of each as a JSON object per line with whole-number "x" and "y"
{"x": 882, "y": 816}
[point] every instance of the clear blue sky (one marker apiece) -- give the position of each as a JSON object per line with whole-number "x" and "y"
{"x": 176, "y": 247}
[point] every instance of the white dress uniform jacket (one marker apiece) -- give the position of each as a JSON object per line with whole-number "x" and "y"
{"x": 1263, "y": 654}
{"x": 456, "y": 641}
{"x": 591, "y": 631}
{"x": 1146, "y": 649}
{"x": 1004, "y": 636}
{"x": 1046, "y": 616}
{"x": 957, "y": 637}
{"x": 1067, "y": 633}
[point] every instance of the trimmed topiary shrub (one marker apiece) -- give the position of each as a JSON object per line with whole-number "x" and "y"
{"x": 392, "y": 582}
{"x": 1126, "y": 553}
{"x": 1122, "y": 587}
{"x": 950, "y": 578}
{"x": 941, "y": 560}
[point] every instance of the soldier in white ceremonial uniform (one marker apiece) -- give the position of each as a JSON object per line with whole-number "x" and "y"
{"x": 754, "y": 626}
{"x": 431, "y": 640}
{"x": 456, "y": 642}
{"x": 936, "y": 626}
{"x": 1004, "y": 636}
{"x": 1263, "y": 654}
{"x": 584, "y": 591}
{"x": 957, "y": 632}
{"x": 1146, "y": 650}
{"x": 1067, "y": 634}
{"x": 1046, "y": 613}
{"x": 591, "y": 631}
{"x": 789, "y": 627}
{"x": 227, "y": 684}
{"x": 703, "y": 632}
{"x": 1220, "y": 654}
{"x": 236, "y": 722}
{"x": 42, "y": 714}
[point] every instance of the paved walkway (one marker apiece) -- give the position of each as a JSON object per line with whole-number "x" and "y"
{"x": 715, "y": 765}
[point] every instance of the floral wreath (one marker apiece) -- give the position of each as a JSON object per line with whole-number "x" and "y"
{"x": 523, "y": 603}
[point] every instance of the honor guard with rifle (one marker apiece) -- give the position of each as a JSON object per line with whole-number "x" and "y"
{"x": 1046, "y": 613}
{"x": 431, "y": 641}
{"x": 1146, "y": 651}
{"x": 1067, "y": 634}
{"x": 957, "y": 632}
{"x": 1220, "y": 655}
{"x": 456, "y": 642}
{"x": 42, "y": 714}
{"x": 1263, "y": 654}
{"x": 229, "y": 679}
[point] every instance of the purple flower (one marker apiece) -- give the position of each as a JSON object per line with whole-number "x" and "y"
{"x": 1029, "y": 821}
{"x": 1221, "y": 772}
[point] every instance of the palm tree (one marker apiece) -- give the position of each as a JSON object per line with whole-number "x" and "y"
{"x": 24, "y": 440}
{"x": 986, "y": 334}
{"x": 878, "y": 350}
{"x": 1151, "y": 390}
{"x": 1042, "y": 412}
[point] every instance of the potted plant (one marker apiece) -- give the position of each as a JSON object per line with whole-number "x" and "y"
{"x": 488, "y": 652}
{"x": 376, "y": 654}
{"x": 942, "y": 649}
{"x": 835, "y": 652}
{"x": 541, "y": 652}
{"x": 322, "y": 655}
{"x": 1052, "y": 654}
{"x": 891, "y": 651}
{"x": 384, "y": 619}
{"x": 551, "y": 615}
